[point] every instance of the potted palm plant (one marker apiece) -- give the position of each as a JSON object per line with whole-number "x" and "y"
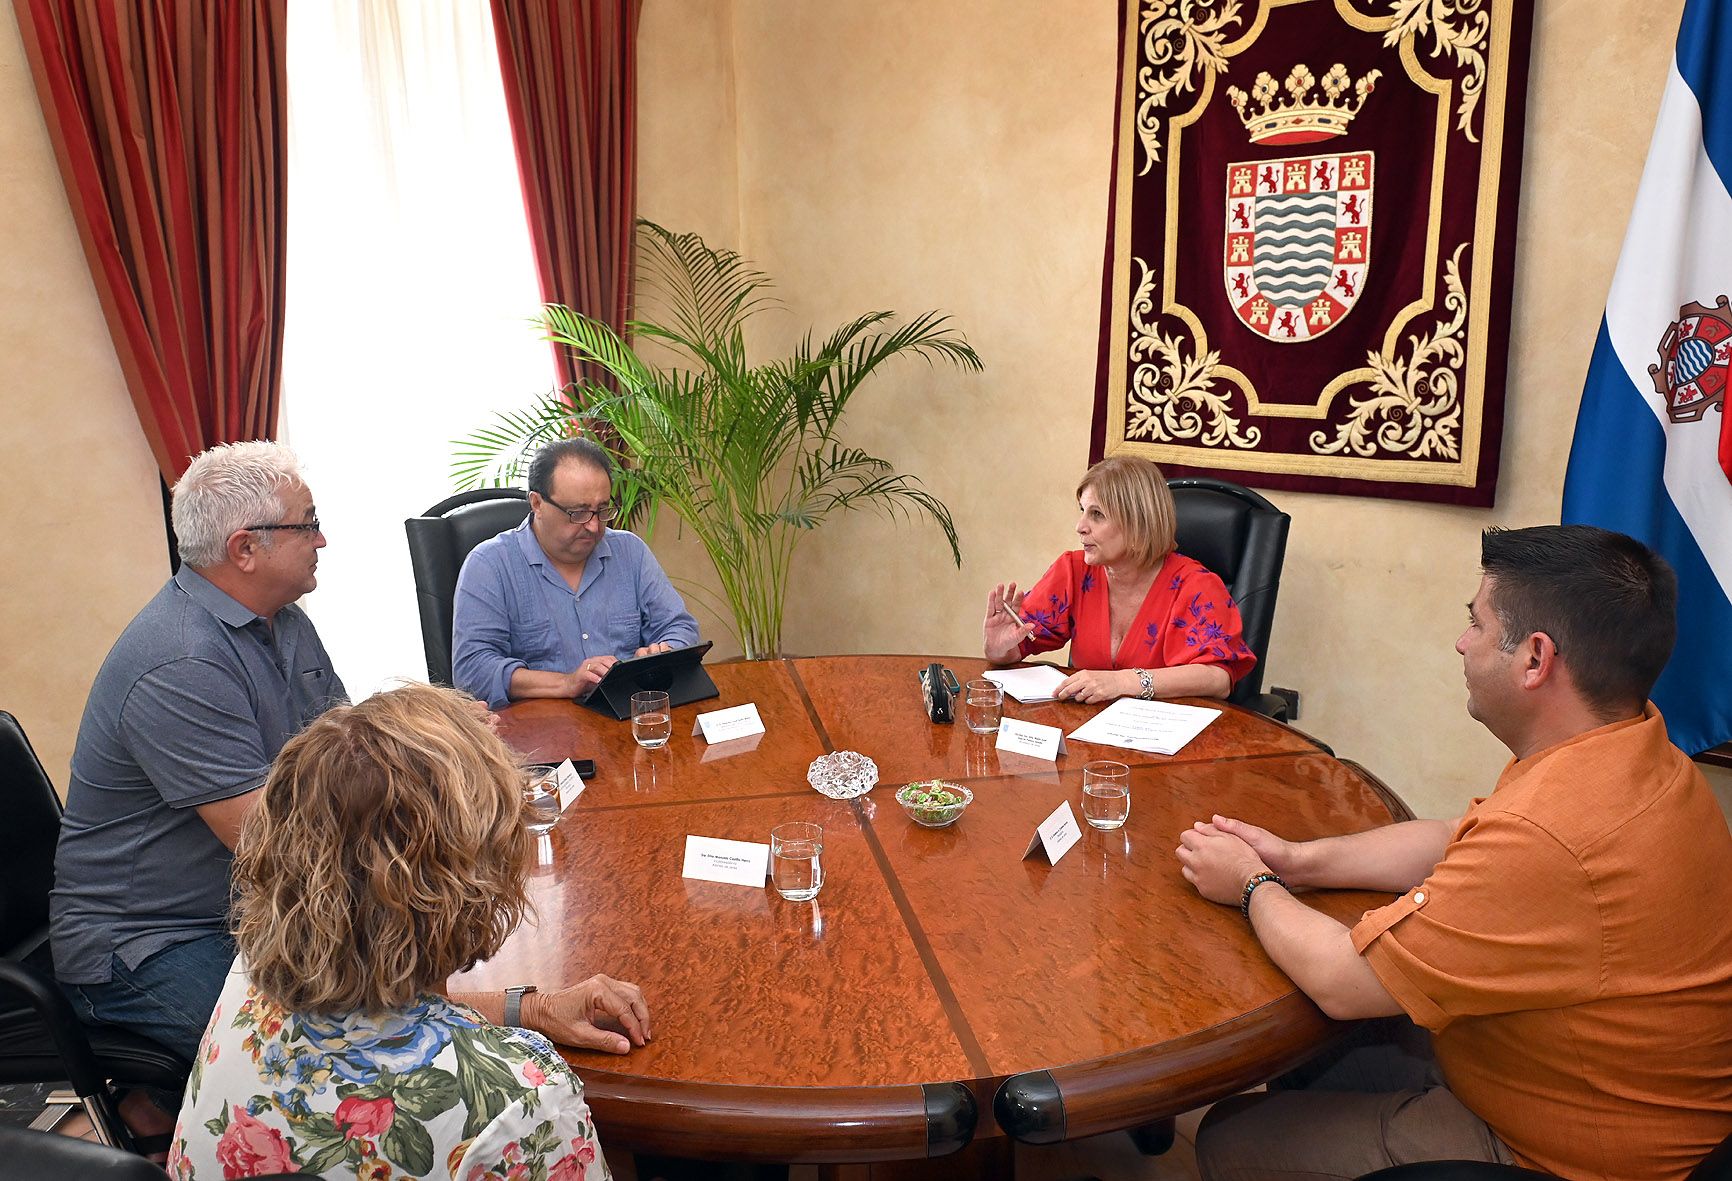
{"x": 747, "y": 456}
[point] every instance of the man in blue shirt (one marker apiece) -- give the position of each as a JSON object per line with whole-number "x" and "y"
{"x": 545, "y": 609}
{"x": 206, "y": 684}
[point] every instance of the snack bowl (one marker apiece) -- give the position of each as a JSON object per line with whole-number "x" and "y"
{"x": 933, "y": 803}
{"x": 843, "y": 775}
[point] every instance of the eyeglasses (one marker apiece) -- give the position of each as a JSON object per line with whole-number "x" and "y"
{"x": 582, "y": 516}
{"x": 311, "y": 526}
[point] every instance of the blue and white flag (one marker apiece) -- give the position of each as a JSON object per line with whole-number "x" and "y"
{"x": 1652, "y": 455}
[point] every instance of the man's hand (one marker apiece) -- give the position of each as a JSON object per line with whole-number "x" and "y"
{"x": 653, "y": 649}
{"x": 486, "y": 716}
{"x": 1218, "y": 863}
{"x": 588, "y": 1015}
{"x": 583, "y": 679}
{"x": 1281, "y": 856}
{"x": 1093, "y": 685}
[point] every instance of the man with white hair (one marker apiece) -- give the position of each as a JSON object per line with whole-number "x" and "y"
{"x": 207, "y": 683}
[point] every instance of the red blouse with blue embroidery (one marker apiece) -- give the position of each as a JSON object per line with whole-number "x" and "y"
{"x": 1186, "y": 618}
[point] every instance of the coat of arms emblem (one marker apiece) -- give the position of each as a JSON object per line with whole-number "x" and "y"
{"x": 1695, "y": 355}
{"x": 1298, "y": 239}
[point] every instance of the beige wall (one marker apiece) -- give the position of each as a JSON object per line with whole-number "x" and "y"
{"x": 910, "y": 155}
{"x": 900, "y": 155}
{"x": 82, "y": 544}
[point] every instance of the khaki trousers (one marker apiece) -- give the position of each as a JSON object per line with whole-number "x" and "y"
{"x": 1375, "y": 1101}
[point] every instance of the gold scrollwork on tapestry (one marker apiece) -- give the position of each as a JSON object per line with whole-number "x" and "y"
{"x": 1172, "y": 391}
{"x": 1458, "y": 28}
{"x": 1180, "y": 38}
{"x": 1414, "y": 407}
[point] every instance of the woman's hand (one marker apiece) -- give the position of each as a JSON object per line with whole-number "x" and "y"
{"x": 1003, "y": 628}
{"x": 1093, "y": 685}
{"x": 588, "y": 1015}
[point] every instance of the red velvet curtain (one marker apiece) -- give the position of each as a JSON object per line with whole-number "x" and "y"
{"x": 570, "y": 87}
{"x": 169, "y": 122}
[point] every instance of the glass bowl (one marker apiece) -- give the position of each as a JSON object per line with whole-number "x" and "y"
{"x": 843, "y": 775}
{"x": 915, "y": 800}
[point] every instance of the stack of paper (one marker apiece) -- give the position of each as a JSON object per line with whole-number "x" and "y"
{"x": 1159, "y": 727}
{"x": 1027, "y": 685}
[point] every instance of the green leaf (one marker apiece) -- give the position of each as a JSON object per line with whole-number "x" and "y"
{"x": 407, "y": 1143}
{"x": 327, "y": 1156}
{"x": 218, "y": 1126}
{"x": 319, "y": 1128}
{"x": 486, "y": 1083}
{"x": 426, "y": 1093}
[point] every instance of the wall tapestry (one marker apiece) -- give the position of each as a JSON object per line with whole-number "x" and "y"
{"x": 1310, "y": 241}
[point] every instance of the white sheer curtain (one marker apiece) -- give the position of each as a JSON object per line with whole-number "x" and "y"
{"x": 410, "y": 286}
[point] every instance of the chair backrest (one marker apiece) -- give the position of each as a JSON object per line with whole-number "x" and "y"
{"x": 439, "y": 540}
{"x": 1243, "y": 539}
{"x": 27, "y": 838}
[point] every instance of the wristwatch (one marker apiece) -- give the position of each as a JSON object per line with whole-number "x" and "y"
{"x": 514, "y": 1003}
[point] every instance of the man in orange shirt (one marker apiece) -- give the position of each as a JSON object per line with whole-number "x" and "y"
{"x": 1565, "y": 942}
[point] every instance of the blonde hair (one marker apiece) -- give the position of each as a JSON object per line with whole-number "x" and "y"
{"x": 385, "y": 853}
{"x": 1135, "y": 495}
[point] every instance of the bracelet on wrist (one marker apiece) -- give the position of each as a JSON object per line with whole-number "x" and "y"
{"x": 1256, "y": 880}
{"x": 1147, "y": 682}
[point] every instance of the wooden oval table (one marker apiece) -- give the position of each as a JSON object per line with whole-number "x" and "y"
{"x": 937, "y": 972}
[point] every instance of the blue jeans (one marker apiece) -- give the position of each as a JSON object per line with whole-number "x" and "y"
{"x": 167, "y": 998}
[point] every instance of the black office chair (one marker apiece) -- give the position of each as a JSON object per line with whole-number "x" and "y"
{"x": 41, "y": 1038}
{"x": 1716, "y": 1166}
{"x": 1242, "y": 538}
{"x": 32, "y": 1156}
{"x": 439, "y": 540}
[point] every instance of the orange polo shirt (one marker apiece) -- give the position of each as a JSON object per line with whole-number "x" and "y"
{"x": 1572, "y": 956}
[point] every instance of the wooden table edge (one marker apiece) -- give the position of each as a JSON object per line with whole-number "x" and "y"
{"x": 774, "y": 1125}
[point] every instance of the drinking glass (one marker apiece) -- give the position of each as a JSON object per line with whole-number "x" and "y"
{"x": 540, "y": 799}
{"x": 1106, "y": 794}
{"x": 651, "y": 722}
{"x": 982, "y": 706}
{"x": 796, "y": 865}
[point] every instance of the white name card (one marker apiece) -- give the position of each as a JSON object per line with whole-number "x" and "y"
{"x": 725, "y": 725}
{"x": 733, "y": 863}
{"x": 569, "y": 783}
{"x": 1056, "y": 834}
{"x": 1031, "y": 738}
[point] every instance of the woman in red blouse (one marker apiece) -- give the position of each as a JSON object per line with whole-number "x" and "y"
{"x": 1142, "y": 619}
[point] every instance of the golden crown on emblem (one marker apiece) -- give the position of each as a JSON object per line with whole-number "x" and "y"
{"x": 1302, "y": 117}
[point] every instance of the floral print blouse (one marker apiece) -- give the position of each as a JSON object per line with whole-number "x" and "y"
{"x": 1187, "y": 618}
{"x": 430, "y": 1091}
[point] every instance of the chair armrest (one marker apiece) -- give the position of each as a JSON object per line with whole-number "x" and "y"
{"x": 59, "y": 1022}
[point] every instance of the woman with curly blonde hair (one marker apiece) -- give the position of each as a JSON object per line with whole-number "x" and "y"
{"x": 385, "y": 854}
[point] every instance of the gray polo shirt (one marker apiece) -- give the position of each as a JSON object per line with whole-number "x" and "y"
{"x": 193, "y": 702}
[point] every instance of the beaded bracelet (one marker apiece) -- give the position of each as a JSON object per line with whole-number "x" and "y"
{"x": 1251, "y": 888}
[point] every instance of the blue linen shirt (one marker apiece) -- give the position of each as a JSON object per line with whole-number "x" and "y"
{"x": 193, "y": 702}
{"x": 515, "y": 610}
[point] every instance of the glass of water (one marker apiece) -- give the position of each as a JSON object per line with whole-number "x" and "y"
{"x": 540, "y": 799}
{"x": 796, "y": 860}
{"x": 982, "y": 706}
{"x": 651, "y": 722}
{"x": 1106, "y": 794}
